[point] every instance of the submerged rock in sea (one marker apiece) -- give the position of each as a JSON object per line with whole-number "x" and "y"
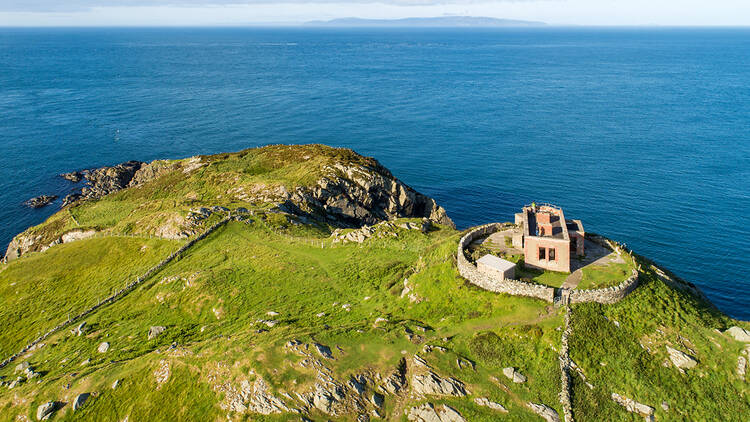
{"x": 40, "y": 201}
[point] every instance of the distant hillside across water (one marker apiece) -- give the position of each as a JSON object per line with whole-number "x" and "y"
{"x": 441, "y": 22}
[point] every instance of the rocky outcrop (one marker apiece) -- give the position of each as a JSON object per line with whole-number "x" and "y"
{"x": 40, "y": 201}
{"x": 22, "y": 244}
{"x": 739, "y": 334}
{"x": 633, "y": 406}
{"x": 485, "y": 402}
{"x": 547, "y": 413}
{"x": 151, "y": 171}
{"x": 30, "y": 242}
{"x": 106, "y": 180}
{"x": 396, "y": 381}
{"x": 357, "y": 195}
{"x": 432, "y": 384}
{"x": 429, "y": 413}
{"x": 254, "y": 398}
{"x": 681, "y": 359}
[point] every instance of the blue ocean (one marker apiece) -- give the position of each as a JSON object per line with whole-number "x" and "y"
{"x": 644, "y": 134}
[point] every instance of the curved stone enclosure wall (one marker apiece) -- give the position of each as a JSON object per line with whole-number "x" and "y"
{"x": 610, "y": 294}
{"x": 519, "y": 288}
{"x": 512, "y": 287}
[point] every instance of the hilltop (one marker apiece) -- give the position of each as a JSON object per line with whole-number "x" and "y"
{"x": 309, "y": 283}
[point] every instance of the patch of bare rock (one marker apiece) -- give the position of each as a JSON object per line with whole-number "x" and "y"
{"x": 485, "y": 402}
{"x": 739, "y": 334}
{"x": 633, "y": 406}
{"x": 433, "y": 384}
{"x": 681, "y": 359}
{"x": 430, "y": 413}
{"x": 547, "y": 413}
{"x": 513, "y": 375}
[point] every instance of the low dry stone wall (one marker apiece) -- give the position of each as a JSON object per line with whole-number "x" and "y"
{"x": 512, "y": 287}
{"x": 565, "y": 384}
{"x": 119, "y": 294}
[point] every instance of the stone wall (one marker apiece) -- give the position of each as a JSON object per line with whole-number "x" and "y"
{"x": 495, "y": 284}
{"x": 607, "y": 295}
{"x": 117, "y": 295}
{"x": 565, "y": 382}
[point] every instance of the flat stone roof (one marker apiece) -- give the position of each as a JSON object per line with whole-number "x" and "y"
{"x": 496, "y": 262}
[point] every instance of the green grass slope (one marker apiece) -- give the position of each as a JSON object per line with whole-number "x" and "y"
{"x": 246, "y": 305}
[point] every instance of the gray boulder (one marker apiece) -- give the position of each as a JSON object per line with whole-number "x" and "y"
{"x": 80, "y": 400}
{"x": 155, "y": 331}
{"x": 680, "y": 359}
{"x": 739, "y": 334}
{"x": 46, "y": 410}
{"x": 103, "y": 347}
{"x": 514, "y": 375}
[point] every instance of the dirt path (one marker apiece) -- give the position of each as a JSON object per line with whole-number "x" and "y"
{"x": 573, "y": 279}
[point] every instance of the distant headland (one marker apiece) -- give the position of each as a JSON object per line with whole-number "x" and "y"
{"x": 434, "y": 22}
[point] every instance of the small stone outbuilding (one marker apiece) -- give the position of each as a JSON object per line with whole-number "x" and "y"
{"x": 496, "y": 266}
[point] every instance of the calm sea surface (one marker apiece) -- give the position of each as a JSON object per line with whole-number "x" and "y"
{"x": 644, "y": 134}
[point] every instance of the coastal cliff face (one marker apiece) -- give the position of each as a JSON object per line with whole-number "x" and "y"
{"x": 336, "y": 187}
{"x": 353, "y": 196}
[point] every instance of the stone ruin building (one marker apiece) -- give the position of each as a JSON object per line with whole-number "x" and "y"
{"x": 547, "y": 238}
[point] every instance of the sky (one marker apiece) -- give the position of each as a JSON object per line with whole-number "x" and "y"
{"x": 253, "y": 12}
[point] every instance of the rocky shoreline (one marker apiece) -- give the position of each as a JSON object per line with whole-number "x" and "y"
{"x": 40, "y": 201}
{"x": 348, "y": 194}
